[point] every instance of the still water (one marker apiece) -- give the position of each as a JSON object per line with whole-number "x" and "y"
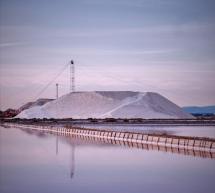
{"x": 197, "y": 131}
{"x": 36, "y": 162}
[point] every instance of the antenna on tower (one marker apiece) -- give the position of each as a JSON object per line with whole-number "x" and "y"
{"x": 72, "y": 76}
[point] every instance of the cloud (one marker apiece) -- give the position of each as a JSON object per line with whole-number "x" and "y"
{"x": 84, "y": 51}
{"x": 133, "y": 3}
{"x": 12, "y": 44}
{"x": 196, "y": 28}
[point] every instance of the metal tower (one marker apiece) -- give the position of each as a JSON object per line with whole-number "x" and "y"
{"x": 72, "y": 76}
{"x": 57, "y": 90}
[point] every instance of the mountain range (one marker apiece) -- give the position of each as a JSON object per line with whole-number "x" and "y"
{"x": 200, "y": 110}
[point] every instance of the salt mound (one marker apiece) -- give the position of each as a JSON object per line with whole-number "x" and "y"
{"x": 107, "y": 104}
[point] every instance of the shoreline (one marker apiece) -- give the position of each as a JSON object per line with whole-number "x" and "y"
{"x": 116, "y": 122}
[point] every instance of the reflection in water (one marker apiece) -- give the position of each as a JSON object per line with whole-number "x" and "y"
{"x": 188, "y": 130}
{"x": 73, "y": 140}
{"x": 39, "y": 162}
{"x": 95, "y": 140}
{"x": 72, "y": 145}
{"x": 72, "y": 171}
{"x": 56, "y": 144}
{"x": 155, "y": 147}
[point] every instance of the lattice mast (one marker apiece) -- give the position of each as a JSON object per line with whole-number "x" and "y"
{"x": 57, "y": 90}
{"x": 72, "y": 76}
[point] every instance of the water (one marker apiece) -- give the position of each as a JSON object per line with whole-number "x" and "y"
{"x": 197, "y": 131}
{"x": 35, "y": 162}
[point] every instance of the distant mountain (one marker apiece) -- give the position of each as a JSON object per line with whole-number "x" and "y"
{"x": 200, "y": 110}
{"x": 107, "y": 104}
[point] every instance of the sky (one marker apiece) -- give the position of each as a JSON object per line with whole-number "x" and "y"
{"x": 164, "y": 46}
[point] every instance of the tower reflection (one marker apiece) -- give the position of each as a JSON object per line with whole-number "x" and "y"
{"x": 72, "y": 162}
{"x": 72, "y": 170}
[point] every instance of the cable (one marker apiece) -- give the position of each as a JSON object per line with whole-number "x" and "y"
{"x": 50, "y": 82}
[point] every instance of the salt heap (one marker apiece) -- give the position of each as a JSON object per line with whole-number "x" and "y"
{"x": 107, "y": 104}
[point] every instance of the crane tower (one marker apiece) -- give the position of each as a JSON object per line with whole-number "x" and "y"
{"x": 57, "y": 90}
{"x": 72, "y": 76}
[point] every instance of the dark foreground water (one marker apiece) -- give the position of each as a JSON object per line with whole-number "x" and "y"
{"x": 37, "y": 163}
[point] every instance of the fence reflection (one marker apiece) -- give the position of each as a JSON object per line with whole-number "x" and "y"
{"x": 193, "y": 146}
{"x": 155, "y": 147}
